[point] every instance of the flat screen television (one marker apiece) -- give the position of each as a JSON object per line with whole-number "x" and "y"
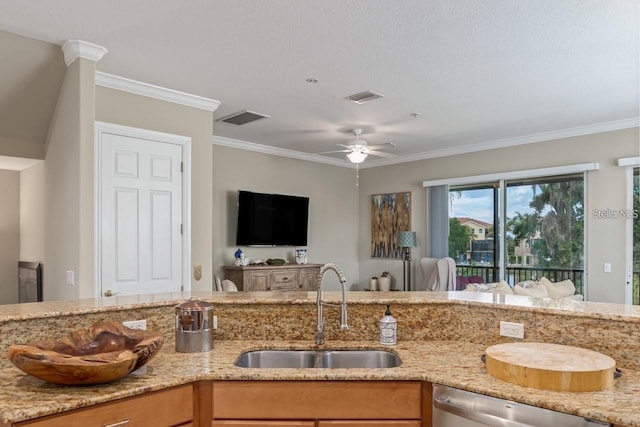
{"x": 271, "y": 219}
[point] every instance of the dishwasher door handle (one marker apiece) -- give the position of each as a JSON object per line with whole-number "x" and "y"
{"x": 465, "y": 411}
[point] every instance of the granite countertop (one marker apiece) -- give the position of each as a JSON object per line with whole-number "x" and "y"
{"x": 546, "y": 305}
{"x": 456, "y": 364}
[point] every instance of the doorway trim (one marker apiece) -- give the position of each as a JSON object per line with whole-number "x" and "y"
{"x": 102, "y": 128}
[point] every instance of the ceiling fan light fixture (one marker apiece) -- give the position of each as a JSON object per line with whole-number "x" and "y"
{"x": 357, "y": 156}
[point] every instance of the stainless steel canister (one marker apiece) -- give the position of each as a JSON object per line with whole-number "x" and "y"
{"x": 194, "y": 326}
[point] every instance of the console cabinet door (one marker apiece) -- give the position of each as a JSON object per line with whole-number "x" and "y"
{"x": 309, "y": 279}
{"x": 165, "y": 408}
{"x": 256, "y": 281}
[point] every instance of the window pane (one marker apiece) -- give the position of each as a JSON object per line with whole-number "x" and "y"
{"x": 545, "y": 230}
{"x": 472, "y": 213}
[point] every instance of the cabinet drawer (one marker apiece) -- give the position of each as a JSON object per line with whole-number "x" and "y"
{"x": 163, "y": 408}
{"x": 285, "y": 277}
{"x": 338, "y": 400}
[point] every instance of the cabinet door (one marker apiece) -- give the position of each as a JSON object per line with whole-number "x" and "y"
{"x": 159, "y": 409}
{"x": 263, "y": 423}
{"x": 370, "y": 423}
{"x": 309, "y": 279}
{"x": 257, "y": 281}
{"x": 329, "y": 400}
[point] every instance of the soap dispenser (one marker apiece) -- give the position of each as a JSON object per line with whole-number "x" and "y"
{"x": 388, "y": 328}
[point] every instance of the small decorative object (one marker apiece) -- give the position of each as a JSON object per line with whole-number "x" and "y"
{"x": 276, "y": 261}
{"x": 241, "y": 260}
{"x": 301, "y": 255}
{"x": 373, "y": 284}
{"x": 388, "y": 328}
{"x": 105, "y": 352}
{"x": 384, "y": 282}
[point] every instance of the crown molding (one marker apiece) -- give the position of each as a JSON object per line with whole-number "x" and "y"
{"x": 282, "y": 152}
{"x": 468, "y": 148}
{"x": 157, "y": 92}
{"x": 74, "y": 49}
{"x": 632, "y": 122}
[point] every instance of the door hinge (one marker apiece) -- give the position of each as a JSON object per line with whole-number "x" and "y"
{"x": 182, "y": 167}
{"x": 181, "y": 229}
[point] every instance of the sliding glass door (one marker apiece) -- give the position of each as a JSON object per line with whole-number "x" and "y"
{"x": 540, "y": 223}
{"x": 636, "y": 237}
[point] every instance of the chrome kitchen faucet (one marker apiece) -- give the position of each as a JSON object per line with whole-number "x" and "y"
{"x": 343, "y": 306}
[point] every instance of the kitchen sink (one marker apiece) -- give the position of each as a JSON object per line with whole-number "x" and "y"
{"x": 363, "y": 359}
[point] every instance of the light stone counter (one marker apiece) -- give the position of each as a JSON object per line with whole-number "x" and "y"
{"x": 443, "y": 362}
{"x": 442, "y": 336}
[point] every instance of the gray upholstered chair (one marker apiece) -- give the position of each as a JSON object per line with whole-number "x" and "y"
{"x": 438, "y": 275}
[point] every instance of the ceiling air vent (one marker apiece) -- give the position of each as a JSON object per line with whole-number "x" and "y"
{"x": 242, "y": 118}
{"x": 362, "y": 97}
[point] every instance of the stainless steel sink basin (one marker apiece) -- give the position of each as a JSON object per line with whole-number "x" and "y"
{"x": 367, "y": 359}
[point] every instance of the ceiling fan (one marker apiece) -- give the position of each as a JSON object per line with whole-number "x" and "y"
{"x": 359, "y": 149}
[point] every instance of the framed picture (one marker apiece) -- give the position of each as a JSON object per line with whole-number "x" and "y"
{"x": 390, "y": 214}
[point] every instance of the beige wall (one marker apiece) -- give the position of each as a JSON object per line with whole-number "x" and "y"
{"x": 605, "y": 189}
{"x": 123, "y": 108}
{"x": 32, "y": 213}
{"x": 69, "y": 187}
{"x": 333, "y": 207}
{"x": 9, "y": 235}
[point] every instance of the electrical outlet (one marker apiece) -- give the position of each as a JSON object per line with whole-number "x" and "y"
{"x": 136, "y": 324}
{"x": 215, "y": 322}
{"x": 512, "y": 330}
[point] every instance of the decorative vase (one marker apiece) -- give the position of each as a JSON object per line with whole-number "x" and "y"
{"x": 301, "y": 256}
{"x": 373, "y": 284}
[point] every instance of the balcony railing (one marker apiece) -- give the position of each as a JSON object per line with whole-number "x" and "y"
{"x": 520, "y": 274}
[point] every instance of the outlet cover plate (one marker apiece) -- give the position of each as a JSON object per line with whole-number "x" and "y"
{"x": 512, "y": 330}
{"x": 136, "y": 324}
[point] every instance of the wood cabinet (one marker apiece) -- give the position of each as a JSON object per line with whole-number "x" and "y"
{"x": 288, "y": 277}
{"x": 165, "y": 408}
{"x": 263, "y": 423}
{"x": 327, "y": 403}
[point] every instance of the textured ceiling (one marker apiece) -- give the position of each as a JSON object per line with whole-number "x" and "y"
{"x": 475, "y": 72}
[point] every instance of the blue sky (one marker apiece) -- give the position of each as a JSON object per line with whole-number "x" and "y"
{"x": 478, "y": 204}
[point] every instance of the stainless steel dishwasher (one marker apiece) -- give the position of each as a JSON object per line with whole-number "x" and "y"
{"x": 458, "y": 408}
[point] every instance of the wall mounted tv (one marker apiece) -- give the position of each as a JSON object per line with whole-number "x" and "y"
{"x": 271, "y": 219}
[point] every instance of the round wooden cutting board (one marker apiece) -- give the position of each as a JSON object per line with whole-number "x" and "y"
{"x": 550, "y": 366}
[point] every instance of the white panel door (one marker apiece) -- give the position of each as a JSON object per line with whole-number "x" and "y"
{"x": 141, "y": 215}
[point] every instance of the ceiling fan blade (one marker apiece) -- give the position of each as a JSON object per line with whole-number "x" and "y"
{"x": 385, "y": 145}
{"x": 337, "y": 151}
{"x": 381, "y": 154}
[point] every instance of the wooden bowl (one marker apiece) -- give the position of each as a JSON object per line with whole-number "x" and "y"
{"x": 105, "y": 352}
